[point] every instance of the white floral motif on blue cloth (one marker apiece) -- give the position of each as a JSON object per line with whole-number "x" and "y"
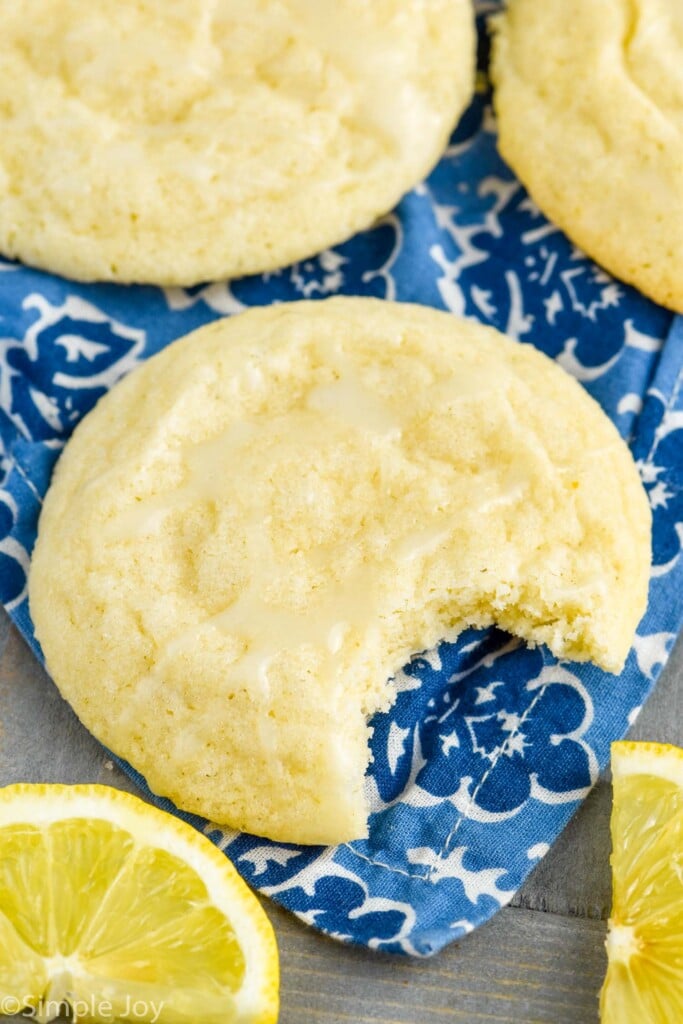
{"x": 490, "y": 746}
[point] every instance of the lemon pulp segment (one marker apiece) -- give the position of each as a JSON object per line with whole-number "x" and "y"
{"x": 644, "y": 983}
{"x": 104, "y": 897}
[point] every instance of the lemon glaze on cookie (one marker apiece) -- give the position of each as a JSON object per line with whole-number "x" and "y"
{"x": 254, "y": 530}
{"x": 172, "y": 143}
{"x": 589, "y": 101}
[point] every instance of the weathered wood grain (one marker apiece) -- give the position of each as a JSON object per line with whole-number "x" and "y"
{"x": 521, "y": 967}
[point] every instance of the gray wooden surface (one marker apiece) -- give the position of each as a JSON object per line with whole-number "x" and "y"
{"x": 539, "y": 961}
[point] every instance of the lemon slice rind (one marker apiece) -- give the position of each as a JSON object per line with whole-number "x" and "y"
{"x": 256, "y": 999}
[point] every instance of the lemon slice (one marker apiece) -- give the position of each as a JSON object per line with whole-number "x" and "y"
{"x": 125, "y": 913}
{"x": 644, "y": 983}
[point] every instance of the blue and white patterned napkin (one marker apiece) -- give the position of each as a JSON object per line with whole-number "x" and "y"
{"x": 490, "y": 746}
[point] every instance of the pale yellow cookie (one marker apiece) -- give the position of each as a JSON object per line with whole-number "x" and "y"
{"x": 589, "y": 98}
{"x": 254, "y": 530}
{"x": 189, "y": 140}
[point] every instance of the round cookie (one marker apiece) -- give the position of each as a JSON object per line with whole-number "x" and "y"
{"x": 251, "y": 533}
{"x": 589, "y": 98}
{"x": 173, "y": 143}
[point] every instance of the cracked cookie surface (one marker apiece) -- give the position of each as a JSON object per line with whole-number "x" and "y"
{"x": 250, "y": 534}
{"x": 194, "y": 140}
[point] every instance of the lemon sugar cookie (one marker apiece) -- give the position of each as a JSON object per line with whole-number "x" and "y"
{"x": 252, "y": 532}
{"x": 172, "y": 143}
{"x": 589, "y": 99}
